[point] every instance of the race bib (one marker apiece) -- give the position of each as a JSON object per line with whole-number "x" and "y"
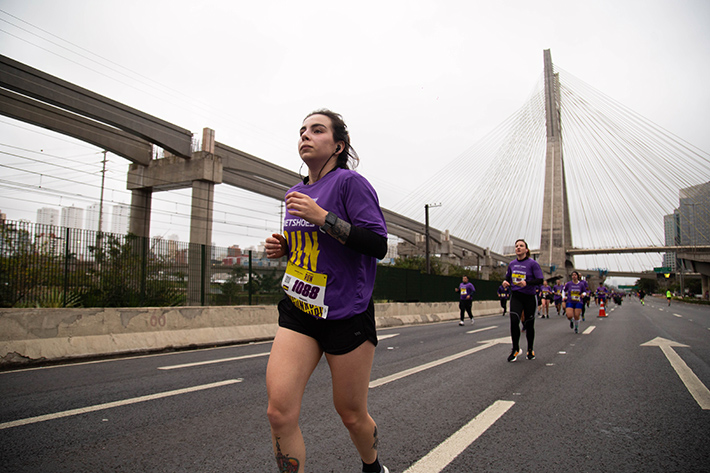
{"x": 463, "y": 291}
{"x": 517, "y": 277}
{"x": 575, "y": 295}
{"x": 306, "y": 290}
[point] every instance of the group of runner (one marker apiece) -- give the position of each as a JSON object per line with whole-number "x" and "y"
{"x": 530, "y": 294}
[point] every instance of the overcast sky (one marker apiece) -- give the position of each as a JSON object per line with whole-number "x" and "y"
{"x": 418, "y": 82}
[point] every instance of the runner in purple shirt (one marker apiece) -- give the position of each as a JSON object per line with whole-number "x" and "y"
{"x": 557, "y": 289}
{"x": 334, "y": 232}
{"x": 523, "y": 277}
{"x": 466, "y": 291}
{"x": 504, "y": 295}
{"x": 573, "y": 293}
{"x": 545, "y": 297}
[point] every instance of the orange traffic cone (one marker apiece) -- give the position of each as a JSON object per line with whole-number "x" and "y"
{"x": 602, "y": 312}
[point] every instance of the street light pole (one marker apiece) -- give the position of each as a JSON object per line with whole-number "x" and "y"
{"x": 426, "y": 233}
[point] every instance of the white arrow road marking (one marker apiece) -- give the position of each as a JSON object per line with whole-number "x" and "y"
{"x": 109, "y": 405}
{"x": 441, "y": 456}
{"x": 432, "y": 364}
{"x": 696, "y": 387}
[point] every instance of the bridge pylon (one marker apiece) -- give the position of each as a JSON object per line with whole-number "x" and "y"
{"x": 556, "y": 235}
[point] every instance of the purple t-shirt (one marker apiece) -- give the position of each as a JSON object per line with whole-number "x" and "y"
{"x": 557, "y": 288}
{"x": 573, "y": 291}
{"x": 325, "y": 278}
{"x": 518, "y": 270}
{"x": 466, "y": 291}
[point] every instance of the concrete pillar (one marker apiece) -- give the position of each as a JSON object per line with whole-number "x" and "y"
{"x": 486, "y": 265}
{"x": 200, "y": 242}
{"x": 208, "y": 140}
{"x": 139, "y": 223}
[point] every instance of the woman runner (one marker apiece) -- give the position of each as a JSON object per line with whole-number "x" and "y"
{"x": 523, "y": 276}
{"x": 334, "y": 232}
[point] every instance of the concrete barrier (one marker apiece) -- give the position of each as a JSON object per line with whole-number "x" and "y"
{"x": 40, "y": 335}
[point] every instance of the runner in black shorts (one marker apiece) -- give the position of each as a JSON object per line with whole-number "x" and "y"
{"x": 336, "y": 337}
{"x": 334, "y": 232}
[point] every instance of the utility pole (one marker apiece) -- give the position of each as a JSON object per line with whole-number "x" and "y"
{"x": 426, "y": 231}
{"x": 101, "y": 201}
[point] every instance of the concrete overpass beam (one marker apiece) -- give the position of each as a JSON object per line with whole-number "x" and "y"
{"x": 60, "y": 93}
{"x": 111, "y": 139}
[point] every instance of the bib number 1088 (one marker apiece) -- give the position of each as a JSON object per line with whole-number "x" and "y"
{"x": 306, "y": 290}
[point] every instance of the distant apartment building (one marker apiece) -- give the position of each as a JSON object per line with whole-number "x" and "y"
{"x": 48, "y": 216}
{"x": 48, "y": 230}
{"x": 72, "y": 217}
{"x": 235, "y": 257}
{"x": 119, "y": 219}
{"x": 672, "y": 238}
{"x": 689, "y": 225}
{"x": 218, "y": 252}
{"x": 92, "y": 218}
{"x": 694, "y": 209}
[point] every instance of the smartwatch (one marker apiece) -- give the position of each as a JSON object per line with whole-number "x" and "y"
{"x": 330, "y": 220}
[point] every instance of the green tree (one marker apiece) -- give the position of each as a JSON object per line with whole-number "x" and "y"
{"x": 29, "y": 266}
{"x": 650, "y": 286}
{"x": 231, "y": 289}
{"x": 125, "y": 276}
{"x": 418, "y": 263}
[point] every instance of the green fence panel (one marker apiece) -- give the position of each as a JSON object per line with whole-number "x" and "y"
{"x": 408, "y": 285}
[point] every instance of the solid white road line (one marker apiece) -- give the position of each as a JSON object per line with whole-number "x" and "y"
{"x": 445, "y": 453}
{"x": 210, "y": 362}
{"x": 385, "y": 337}
{"x": 589, "y": 330}
{"x": 109, "y": 405}
{"x": 482, "y": 329}
{"x": 678, "y": 315}
{"x": 432, "y": 364}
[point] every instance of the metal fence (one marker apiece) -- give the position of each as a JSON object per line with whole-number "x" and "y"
{"x": 51, "y": 266}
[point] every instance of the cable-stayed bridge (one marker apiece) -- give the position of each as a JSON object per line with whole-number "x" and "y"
{"x": 585, "y": 180}
{"x": 564, "y": 136}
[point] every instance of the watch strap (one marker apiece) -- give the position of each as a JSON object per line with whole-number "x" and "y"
{"x": 330, "y": 220}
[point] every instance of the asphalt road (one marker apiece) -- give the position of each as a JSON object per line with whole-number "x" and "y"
{"x": 444, "y": 398}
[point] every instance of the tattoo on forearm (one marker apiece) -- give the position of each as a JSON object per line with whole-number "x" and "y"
{"x": 376, "y": 444}
{"x": 286, "y": 464}
{"x": 340, "y": 231}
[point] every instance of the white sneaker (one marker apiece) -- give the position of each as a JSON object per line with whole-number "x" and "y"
{"x": 385, "y": 469}
{"x": 461, "y": 323}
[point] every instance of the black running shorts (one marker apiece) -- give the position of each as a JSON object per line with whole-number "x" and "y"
{"x": 335, "y": 337}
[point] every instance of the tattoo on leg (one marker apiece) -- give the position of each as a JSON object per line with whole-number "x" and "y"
{"x": 285, "y": 464}
{"x": 377, "y": 440}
